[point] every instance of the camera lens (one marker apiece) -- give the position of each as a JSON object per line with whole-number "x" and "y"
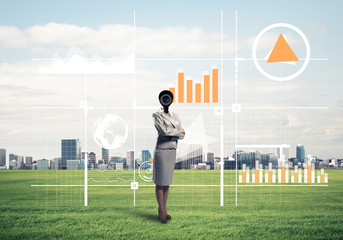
{"x": 166, "y": 99}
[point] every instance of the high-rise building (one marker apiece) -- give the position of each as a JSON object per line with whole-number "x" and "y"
{"x": 42, "y": 164}
{"x": 145, "y": 156}
{"x": 71, "y": 150}
{"x": 119, "y": 166}
{"x": 2, "y": 157}
{"x": 285, "y": 151}
{"x": 19, "y": 159}
{"x": 28, "y": 162}
{"x": 55, "y": 164}
{"x": 116, "y": 159}
{"x": 130, "y": 159}
{"x": 73, "y": 164}
{"x": 13, "y": 164}
{"x": 104, "y": 154}
{"x": 255, "y": 156}
{"x": 265, "y": 159}
{"x": 210, "y": 157}
{"x": 300, "y": 153}
{"x": 92, "y": 159}
{"x": 274, "y": 160}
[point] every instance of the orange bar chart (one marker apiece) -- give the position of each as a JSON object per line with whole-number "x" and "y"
{"x": 189, "y": 91}
{"x": 202, "y": 92}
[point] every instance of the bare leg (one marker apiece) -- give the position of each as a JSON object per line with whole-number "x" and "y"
{"x": 165, "y": 197}
{"x": 159, "y": 198}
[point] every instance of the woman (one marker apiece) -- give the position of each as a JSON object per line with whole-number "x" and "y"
{"x": 169, "y": 131}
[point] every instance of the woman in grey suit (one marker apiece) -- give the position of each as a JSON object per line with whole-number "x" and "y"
{"x": 169, "y": 130}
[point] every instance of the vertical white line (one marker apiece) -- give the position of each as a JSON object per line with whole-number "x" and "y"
{"x": 222, "y": 115}
{"x": 86, "y": 154}
{"x": 134, "y": 105}
{"x": 236, "y": 86}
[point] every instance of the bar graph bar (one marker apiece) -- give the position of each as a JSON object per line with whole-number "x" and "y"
{"x": 181, "y": 87}
{"x": 244, "y": 173}
{"x": 206, "y": 88}
{"x": 172, "y": 89}
{"x": 247, "y": 175}
{"x": 270, "y": 171}
{"x": 198, "y": 92}
{"x": 283, "y": 172}
{"x": 257, "y": 172}
{"x": 322, "y": 175}
{"x": 190, "y": 91}
{"x": 313, "y": 173}
{"x": 215, "y": 85}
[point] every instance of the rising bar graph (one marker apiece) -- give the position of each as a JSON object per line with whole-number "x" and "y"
{"x": 190, "y": 91}
{"x": 284, "y": 174}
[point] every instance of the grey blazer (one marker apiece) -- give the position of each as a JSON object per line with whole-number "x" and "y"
{"x": 168, "y": 127}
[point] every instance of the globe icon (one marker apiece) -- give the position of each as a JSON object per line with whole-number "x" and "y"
{"x": 110, "y": 131}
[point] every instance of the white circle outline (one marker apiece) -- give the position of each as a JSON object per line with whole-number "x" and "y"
{"x": 294, "y": 28}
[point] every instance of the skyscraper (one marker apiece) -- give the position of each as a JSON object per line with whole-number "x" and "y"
{"x": 17, "y": 158}
{"x": 28, "y": 162}
{"x": 300, "y": 153}
{"x": 104, "y": 154}
{"x": 92, "y": 159}
{"x": 285, "y": 151}
{"x": 210, "y": 157}
{"x": 71, "y": 150}
{"x": 130, "y": 159}
{"x": 2, "y": 157}
{"x": 145, "y": 156}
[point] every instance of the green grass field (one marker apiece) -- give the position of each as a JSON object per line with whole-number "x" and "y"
{"x": 262, "y": 212}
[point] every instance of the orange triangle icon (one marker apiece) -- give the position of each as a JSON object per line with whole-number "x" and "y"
{"x": 282, "y": 52}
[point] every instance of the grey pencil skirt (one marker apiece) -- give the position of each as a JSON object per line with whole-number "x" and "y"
{"x": 163, "y": 166}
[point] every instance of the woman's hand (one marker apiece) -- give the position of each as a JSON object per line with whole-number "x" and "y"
{"x": 182, "y": 130}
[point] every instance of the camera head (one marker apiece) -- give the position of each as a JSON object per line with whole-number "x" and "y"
{"x": 166, "y": 98}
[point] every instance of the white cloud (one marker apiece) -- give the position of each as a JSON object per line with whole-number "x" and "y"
{"x": 118, "y": 38}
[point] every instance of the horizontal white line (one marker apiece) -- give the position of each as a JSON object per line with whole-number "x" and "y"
{"x": 176, "y": 59}
{"x": 190, "y": 107}
{"x": 276, "y": 107}
{"x": 257, "y": 185}
{"x": 238, "y": 146}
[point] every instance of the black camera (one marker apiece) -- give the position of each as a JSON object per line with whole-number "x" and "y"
{"x": 166, "y": 98}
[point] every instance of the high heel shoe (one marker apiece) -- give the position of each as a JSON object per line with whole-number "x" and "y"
{"x": 162, "y": 220}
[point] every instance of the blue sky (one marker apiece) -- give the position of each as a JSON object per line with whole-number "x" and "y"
{"x": 320, "y": 84}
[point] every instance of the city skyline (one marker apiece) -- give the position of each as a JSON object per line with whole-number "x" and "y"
{"x": 195, "y": 152}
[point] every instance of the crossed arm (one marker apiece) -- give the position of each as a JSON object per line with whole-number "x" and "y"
{"x": 168, "y": 131}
